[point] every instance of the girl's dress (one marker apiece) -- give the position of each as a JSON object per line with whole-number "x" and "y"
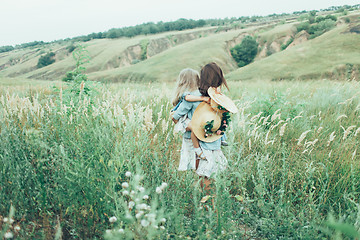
{"x": 187, "y": 154}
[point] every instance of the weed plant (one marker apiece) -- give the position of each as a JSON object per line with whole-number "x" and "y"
{"x": 71, "y": 168}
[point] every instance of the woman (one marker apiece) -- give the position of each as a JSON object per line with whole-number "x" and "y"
{"x": 211, "y": 75}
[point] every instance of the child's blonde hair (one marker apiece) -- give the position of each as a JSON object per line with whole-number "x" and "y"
{"x": 188, "y": 80}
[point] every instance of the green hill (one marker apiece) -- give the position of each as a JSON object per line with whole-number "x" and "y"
{"x": 284, "y": 54}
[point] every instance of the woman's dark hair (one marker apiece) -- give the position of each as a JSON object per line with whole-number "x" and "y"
{"x": 211, "y": 75}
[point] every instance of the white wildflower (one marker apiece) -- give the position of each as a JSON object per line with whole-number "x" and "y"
{"x": 142, "y": 206}
{"x": 11, "y": 220}
{"x": 141, "y": 189}
{"x": 125, "y": 185}
{"x": 132, "y": 193}
{"x": 357, "y": 131}
{"x": 255, "y": 117}
{"x": 17, "y": 228}
{"x": 275, "y": 115}
{"x": 319, "y": 129}
{"x": 340, "y": 117}
{"x": 353, "y": 155}
{"x": 121, "y": 230}
{"x": 6, "y": 219}
{"x": 347, "y": 131}
{"x": 112, "y": 219}
{"x": 8, "y": 235}
{"x": 282, "y": 129}
{"x": 146, "y": 197}
{"x": 331, "y": 138}
{"x": 125, "y": 192}
{"x": 139, "y": 214}
{"x": 163, "y": 185}
{"x": 128, "y": 174}
{"x": 163, "y": 220}
{"x": 131, "y": 204}
{"x": 162, "y": 227}
{"x": 302, "y": 136}
{"x": 158, "y": 190}
{"x": 144, "y": 223}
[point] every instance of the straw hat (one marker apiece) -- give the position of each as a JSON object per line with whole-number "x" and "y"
{"x": 203, "y": 114}
{"x": 211, "y": 115}
{"x": 222, "y": 100}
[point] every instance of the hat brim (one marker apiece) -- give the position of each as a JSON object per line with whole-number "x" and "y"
{"x": 222, "y": 100}
{"x": 203, "y": 114}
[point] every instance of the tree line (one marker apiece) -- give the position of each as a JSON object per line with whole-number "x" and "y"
{"x": 178, "y": 25}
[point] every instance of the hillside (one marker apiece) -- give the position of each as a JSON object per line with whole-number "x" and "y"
{"x": 160, "y": 57}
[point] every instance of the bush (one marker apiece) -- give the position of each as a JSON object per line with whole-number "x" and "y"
{"x": 245, "y": 52}
{"x": 6, "y": 49}
{"x": 285, "y": 45}
{"x": 46, "y": 60}
{"x": 303, "y": 26}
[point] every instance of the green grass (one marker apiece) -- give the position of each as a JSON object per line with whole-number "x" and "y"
{"x": 63, "y": 159}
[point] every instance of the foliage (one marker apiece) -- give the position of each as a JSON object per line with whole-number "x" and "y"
{"x": 46, "y": 60}
{"x": 285, "y": 45}
{"x": 245, "y": 52}
{"x": 6, "y": 49}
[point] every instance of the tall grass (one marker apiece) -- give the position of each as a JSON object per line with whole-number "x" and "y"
{"x": 292, "y": 160}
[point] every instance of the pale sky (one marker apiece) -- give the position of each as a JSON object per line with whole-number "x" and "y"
{"x": 47, "y": 20}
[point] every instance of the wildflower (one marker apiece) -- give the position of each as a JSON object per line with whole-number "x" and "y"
{"x": 142, "y": 206}
{"x": 158, "y": 190}
{"x": 164, "y": 185}
{"x": 163, "y": 220}
{"x": 302, "y": 137}
{"x": 282, "y": 129}
{"x": 138, "y": 215}
{"x": 9, "y": 235}
{"x": 128, "y": 174}
{"x": 347, "y": 131}
{"x": 275, "y": 115}
{"x": 125, "y": 185}
{"x": 121, "y": 230}
{"x": 141, "y": 189}
{"x": 353, "y": 155}
{"x": 131, "y": 204}
{"x": 145, "y": 197}
{"x": 17, "y": 228}
{"x": 11, "y": 220}
{"x": 125, "y": 192}
{"x": 144, "y": 223}
{"x": 6, "y": 219}
{"x": 340, "y": 117}
{"x": 162, "y": 227}
{"x": 132, "y": 193}
{"x": 112, "y": 219}
{"x": 331, "y": 138}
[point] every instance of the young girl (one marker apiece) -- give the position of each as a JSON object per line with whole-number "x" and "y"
{"x": 187, "y": 89}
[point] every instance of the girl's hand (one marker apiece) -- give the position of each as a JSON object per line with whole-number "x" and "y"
{"x": 207, "y": 99}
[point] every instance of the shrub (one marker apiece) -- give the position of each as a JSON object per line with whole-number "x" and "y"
{"x": 285, "y": 45}
{"x": 245, "y": 52}
{"x": 303, "y": 26}
{"x": 46, "y": 60}
{"x": 6, "y": 49}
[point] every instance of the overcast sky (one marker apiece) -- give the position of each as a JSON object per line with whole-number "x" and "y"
{"x": 46, "y": 20}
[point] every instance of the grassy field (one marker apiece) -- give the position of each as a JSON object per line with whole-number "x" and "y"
{"x": 103, "y": 164}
